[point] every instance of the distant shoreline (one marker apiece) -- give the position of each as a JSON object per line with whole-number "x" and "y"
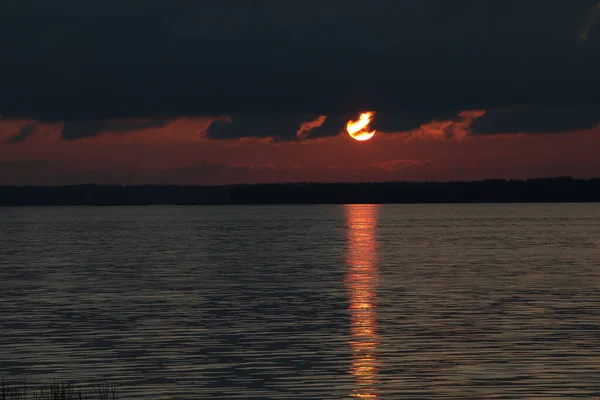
{"x": 546, "y": 190}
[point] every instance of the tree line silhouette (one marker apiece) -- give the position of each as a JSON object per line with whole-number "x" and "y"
{"x": 562, "y": 189}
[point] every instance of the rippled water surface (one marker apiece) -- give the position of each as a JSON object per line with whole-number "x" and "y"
{"x": 305, "y": 302}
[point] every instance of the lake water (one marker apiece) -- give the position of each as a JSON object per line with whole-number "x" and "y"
{"x": 305, "y": 302}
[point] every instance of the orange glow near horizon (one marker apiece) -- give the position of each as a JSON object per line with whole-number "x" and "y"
{"x": 359, "y": 129}
{"x": 361, "y": 281}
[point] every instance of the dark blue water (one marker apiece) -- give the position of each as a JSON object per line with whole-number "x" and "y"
{"x": 305, "y": 302}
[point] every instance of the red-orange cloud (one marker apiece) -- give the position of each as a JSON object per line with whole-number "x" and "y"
{"x": 308, "y": 126}
{"x": 453, "y": 129}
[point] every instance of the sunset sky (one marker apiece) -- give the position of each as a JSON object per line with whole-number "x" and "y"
{"x": 214, "y": 92}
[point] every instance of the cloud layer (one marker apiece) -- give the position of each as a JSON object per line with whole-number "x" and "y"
{"x": 73, "y": 60}
{"x": 434, "y": 124}
{"x": 300, "y": 69}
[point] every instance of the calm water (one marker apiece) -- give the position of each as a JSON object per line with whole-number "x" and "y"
{"x": 305, "y": 302}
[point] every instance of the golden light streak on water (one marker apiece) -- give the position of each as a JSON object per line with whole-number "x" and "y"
{"x": 362, "y": 281}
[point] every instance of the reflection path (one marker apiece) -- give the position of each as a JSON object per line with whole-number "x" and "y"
{"x": 361, "y": 281}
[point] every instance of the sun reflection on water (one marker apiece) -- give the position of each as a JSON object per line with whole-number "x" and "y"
{"x": 361, "y": 281}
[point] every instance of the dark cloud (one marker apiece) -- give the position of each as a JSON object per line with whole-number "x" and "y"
{"x": 287, "y": 127}
{"x": 333, "y": 125}
{"x": 537, "y": 120}
{"x": 402, "y": 122}
{"x": 22, "y": 135}
{"x": 73, "y": 130}
{"x": 69, "y": 60}
{"x": 590, "y": 21}
{"x": 278, "y": 127}
{"x": 440, "y": 123}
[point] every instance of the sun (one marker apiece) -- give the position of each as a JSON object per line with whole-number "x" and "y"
{"x": 359, "y": 129}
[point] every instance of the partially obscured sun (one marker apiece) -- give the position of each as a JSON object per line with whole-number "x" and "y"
{"x": 359, "y": 129}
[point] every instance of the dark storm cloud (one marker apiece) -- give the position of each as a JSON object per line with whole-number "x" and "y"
{"x": 333, "y": 125}
{"x": 382, "y": 122}
{"x": 73, "y": 130}
{"x": 22, "y": 135}
{"x": 537, "y": 120}
{"x": 286, "y": 127}
{"x": 590, "y": 21}
{"x": 278, "y": 127}
{"x": 73, "y": 60}
{"x": 401, "y": 122}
